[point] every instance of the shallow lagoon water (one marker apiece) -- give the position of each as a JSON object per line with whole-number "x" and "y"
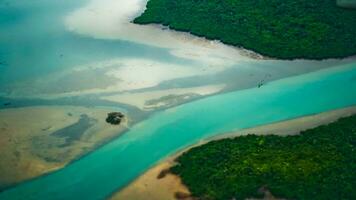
{"x": 99, "y": 174}
{"x": 34, "y": 41}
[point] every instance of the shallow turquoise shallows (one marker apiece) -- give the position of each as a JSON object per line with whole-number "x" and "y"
{"x": 111, "y": 167}
{"x": 34, "y": 41}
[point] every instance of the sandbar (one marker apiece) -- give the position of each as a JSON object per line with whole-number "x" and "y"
{"x": 40, "y": 139}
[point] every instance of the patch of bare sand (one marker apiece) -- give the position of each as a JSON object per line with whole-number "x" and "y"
{"x": 142, "y": 99}
{"x": 32, "y": 143}
{"x": 148, "y": 186}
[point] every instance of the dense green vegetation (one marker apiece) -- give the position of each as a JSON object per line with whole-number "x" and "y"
{"x": 317, "y": 164}
{"x": 287, "y": 29}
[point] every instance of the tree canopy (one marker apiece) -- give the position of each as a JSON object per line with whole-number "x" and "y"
{"x": 318, "y": 164}
{"x": 286, "y": 29}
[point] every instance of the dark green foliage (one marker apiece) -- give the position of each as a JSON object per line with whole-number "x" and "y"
{"x": 286, "y": 29}
{"x": 114, "y": 118}
{"x": 317, "y": 164}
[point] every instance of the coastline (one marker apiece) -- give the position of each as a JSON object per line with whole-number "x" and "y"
{"x": 148, "y": 185}
{"x": 240, "y": 37}
{"x": 119, "y": 25}
{"x": 89, "y": 19}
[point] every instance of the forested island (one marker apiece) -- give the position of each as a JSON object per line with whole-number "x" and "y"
{"x": 319, "y": 163}
{"x": 317, "y": 29}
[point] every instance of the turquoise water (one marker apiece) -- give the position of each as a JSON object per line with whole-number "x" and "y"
{"x": 34, "y": 41}
{"x": 113, "y": 166}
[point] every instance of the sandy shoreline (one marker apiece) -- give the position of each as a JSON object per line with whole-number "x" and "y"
{"x": 148, "y": 186}
{"x": 111, "y": 19}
